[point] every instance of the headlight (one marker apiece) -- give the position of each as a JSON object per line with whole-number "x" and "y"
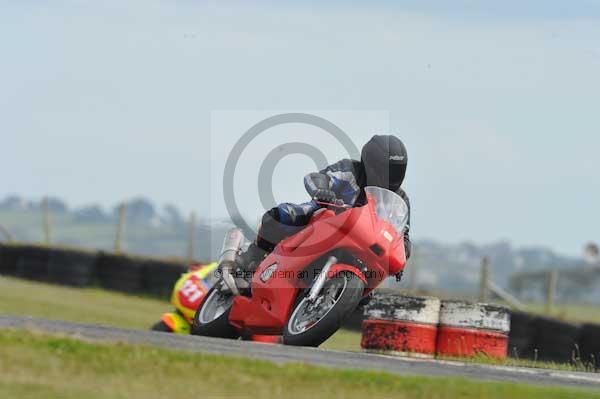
{"x": 268, "y": 272}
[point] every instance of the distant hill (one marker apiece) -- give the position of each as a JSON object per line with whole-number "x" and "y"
{"x": 149, "y": 230}
{"x": 458, "y": 267}
{"x": 163, "y": 231}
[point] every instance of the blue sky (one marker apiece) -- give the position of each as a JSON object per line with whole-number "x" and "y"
{"x": 498, "y": 105}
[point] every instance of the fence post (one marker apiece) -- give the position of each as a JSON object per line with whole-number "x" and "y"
{"x": 191, "y": 252}
{"x": 552, "y": 284}
{"x": 485, "y": 277}
{"x": 46, "y": 221}
{"x": 120, "y": 227}
{"x": 517, "y": 286}
{"x": 9, "y": 238}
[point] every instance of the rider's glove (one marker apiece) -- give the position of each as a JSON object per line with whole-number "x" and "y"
{"x": 324, "y": 195}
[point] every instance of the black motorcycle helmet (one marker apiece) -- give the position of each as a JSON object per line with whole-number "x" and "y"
{"x": 384, "y": 160}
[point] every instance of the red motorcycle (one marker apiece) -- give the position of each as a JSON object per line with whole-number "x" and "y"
{"x": 312, "y": 280}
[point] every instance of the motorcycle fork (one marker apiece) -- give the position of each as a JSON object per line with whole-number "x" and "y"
{"x": 317, "y": 287}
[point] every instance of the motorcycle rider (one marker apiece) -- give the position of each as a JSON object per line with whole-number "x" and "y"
{"x": 383, "y": 164}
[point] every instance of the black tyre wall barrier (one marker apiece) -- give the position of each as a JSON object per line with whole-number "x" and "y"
{"x": 68, "y": 267}
{"x": 160, "y": 277}
{"x": 556, "y": 341}
{"x": 522, "y": 335}
{"x": 32, "y": 263}
{"x": 8, "y": 259}
{"x": 589, "y": 345}
{"x": 120, "y": 273}
{"x": 82, "y": 268}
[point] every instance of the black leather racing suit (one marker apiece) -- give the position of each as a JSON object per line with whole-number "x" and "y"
{"x": 345, "y": 178}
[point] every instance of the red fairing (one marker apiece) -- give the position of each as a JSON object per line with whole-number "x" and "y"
{"x": 266, "y": 312}
{"x": 357, "y": 230}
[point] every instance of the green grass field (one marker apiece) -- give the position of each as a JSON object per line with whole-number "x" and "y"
{"x": 578, "y": 313}
{"x": 26, "y": 298}
{"x": 40, "y": 366}
{"x": 33, "y": 365}
{"x": 87, "y": 305}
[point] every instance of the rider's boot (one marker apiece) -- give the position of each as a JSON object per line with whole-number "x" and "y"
{"x": 249, "y": 260}
{"x": 247, "y": 263}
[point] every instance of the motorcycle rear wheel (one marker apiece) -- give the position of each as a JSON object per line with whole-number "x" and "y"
{"x": 212, "y": 317}
{"x": 340, "y": 297}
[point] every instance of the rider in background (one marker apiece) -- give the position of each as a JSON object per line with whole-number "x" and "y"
{"x": 383, "y": 164}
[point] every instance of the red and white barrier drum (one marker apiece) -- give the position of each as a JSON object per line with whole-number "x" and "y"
{"x": 471, "y": 329}
{"x": 401, "y": 325}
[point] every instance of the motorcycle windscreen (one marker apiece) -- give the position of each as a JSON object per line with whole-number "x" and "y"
{"x": 389, "y": 207}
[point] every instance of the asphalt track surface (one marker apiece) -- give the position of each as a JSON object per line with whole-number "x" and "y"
{"x": 285, "y": 354}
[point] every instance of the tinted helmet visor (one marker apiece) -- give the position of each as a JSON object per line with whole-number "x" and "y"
{"x": 397, "y": 171}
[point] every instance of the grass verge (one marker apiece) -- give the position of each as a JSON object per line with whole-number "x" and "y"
{"x": 26, "y": 298}
{"x": 89, "y": 305}
{"x": 34, "y": 365}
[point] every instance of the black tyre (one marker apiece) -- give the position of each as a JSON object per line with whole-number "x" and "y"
{"x": 212, "y": 317}
{"x": 311, "y": 324}
{"x": 32, "y": 263}
{"x": 522, "y": 335}
{"x": 8, "y": 259}
{"x": 69, "y": 267}
{"x": 2, "y": 267}
{"x": 556, "y": 341}
{"x": 589, "y": 344}
{"x": 120, "y": 273}
{"x": 161, "y": 326}
{"x": 159, "y": 277}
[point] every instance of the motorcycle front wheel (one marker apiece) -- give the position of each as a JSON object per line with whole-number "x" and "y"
{"x": 313, "y": 322}
{"x": 212, "y": 317}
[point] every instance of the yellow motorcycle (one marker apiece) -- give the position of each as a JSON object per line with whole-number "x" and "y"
{"x": 186, "y": 297}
